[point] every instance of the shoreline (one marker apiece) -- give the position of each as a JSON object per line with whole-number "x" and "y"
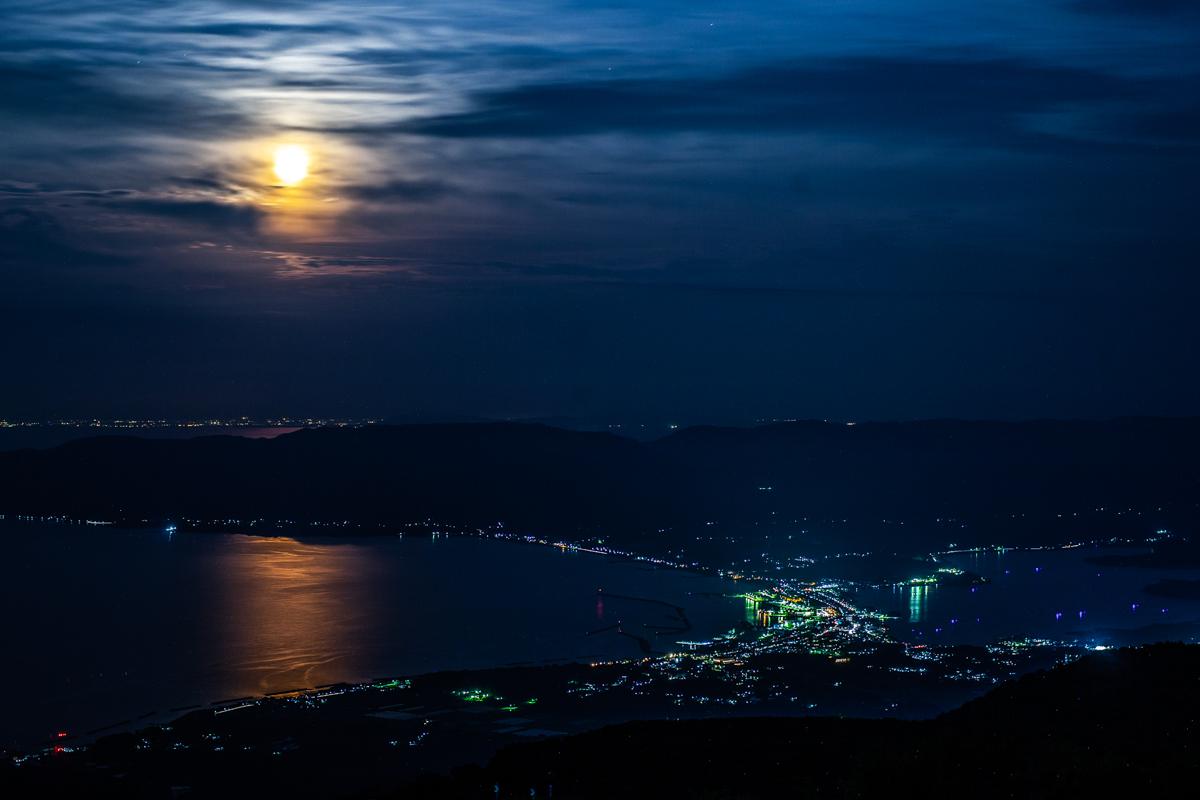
{"x": 156, "y": 717}
{"x": 22, "y": 744}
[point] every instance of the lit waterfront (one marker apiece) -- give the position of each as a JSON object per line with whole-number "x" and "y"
{"x": 1051, "y": 593}
{"x": 247, "y": 616}
{"x": 801, "y": 649}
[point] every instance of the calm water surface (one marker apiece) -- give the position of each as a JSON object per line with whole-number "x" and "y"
{"x": 105, "y": 625}
{"x": 1054, "y": 594}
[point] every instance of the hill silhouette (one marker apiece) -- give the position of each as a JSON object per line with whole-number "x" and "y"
{"x": 945, "y": 480}
{"x": 1109, "y": 724}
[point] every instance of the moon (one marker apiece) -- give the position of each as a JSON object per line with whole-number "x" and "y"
{"x": 291, "y": 164}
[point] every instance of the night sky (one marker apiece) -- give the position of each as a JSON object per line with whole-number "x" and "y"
{"x": 681, "y": 211}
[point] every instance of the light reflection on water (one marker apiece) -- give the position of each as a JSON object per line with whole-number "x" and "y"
{"x": 291, "y": 610}
{"x": 111, "y": 624}
{"x": 1054, "y": 594}
{"x": 916, "y": 602}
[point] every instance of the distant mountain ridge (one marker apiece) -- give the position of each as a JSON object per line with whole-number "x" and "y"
{"x": 782, "y": 478}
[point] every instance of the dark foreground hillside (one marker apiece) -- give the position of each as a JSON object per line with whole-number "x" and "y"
{"x": 912, "y": 485}
{"x": 1112, "y": 724}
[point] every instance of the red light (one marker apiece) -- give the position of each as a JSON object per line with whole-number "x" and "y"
{"x": 61, "y": 734}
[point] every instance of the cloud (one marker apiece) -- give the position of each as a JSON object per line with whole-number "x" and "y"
{"x": 310, "y": 266}
{"x": 56, "y": 93}
{"x": 27, "y": 222}
{"x": 411, "y": 62}
{"x": 403, "y": 191}
{"x": 1179, "y": 126}
{"x": 985, "y": 101}
{"x": 1138, "y": 8}
{"x": 44, "y": 192}
{"x": 34, "y": 243}
{"x": 200, "y": 212}
{"x": 57, "y": 90}
{"x": 239, "y": 30}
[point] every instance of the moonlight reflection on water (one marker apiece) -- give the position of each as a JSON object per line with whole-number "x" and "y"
{"x": 129, "y": 622}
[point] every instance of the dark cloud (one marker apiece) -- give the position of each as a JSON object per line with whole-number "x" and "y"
{"x": 61, "y": 91}
{"x": 25, "y": 222}
{"x": 42, "y": 192}
{"x": 313, "y": 82}
{"x": 250, "y": 29}
{"x": 867, "y": 208}
{"x": 209, "y": 182}
{"x": 62, "y": 44}
{"x": 227, "y": 216}
{"x": 409, "y": 62}
{"x": 1137, "y": 8}
{"x": 404, "y": 191}
{"x": 14, "y": 189}
{"x": 35, "y": 247}
{"x": 61, "y": 94}
{"x": 1180, "y": 126}
{"x": 368, "y": 269}
{"x": 984, "y": 101}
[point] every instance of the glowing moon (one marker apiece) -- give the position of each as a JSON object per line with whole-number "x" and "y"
{"x": 291, "y": 164}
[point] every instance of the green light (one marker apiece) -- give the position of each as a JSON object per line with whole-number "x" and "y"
{"x": 916, "y": 602}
